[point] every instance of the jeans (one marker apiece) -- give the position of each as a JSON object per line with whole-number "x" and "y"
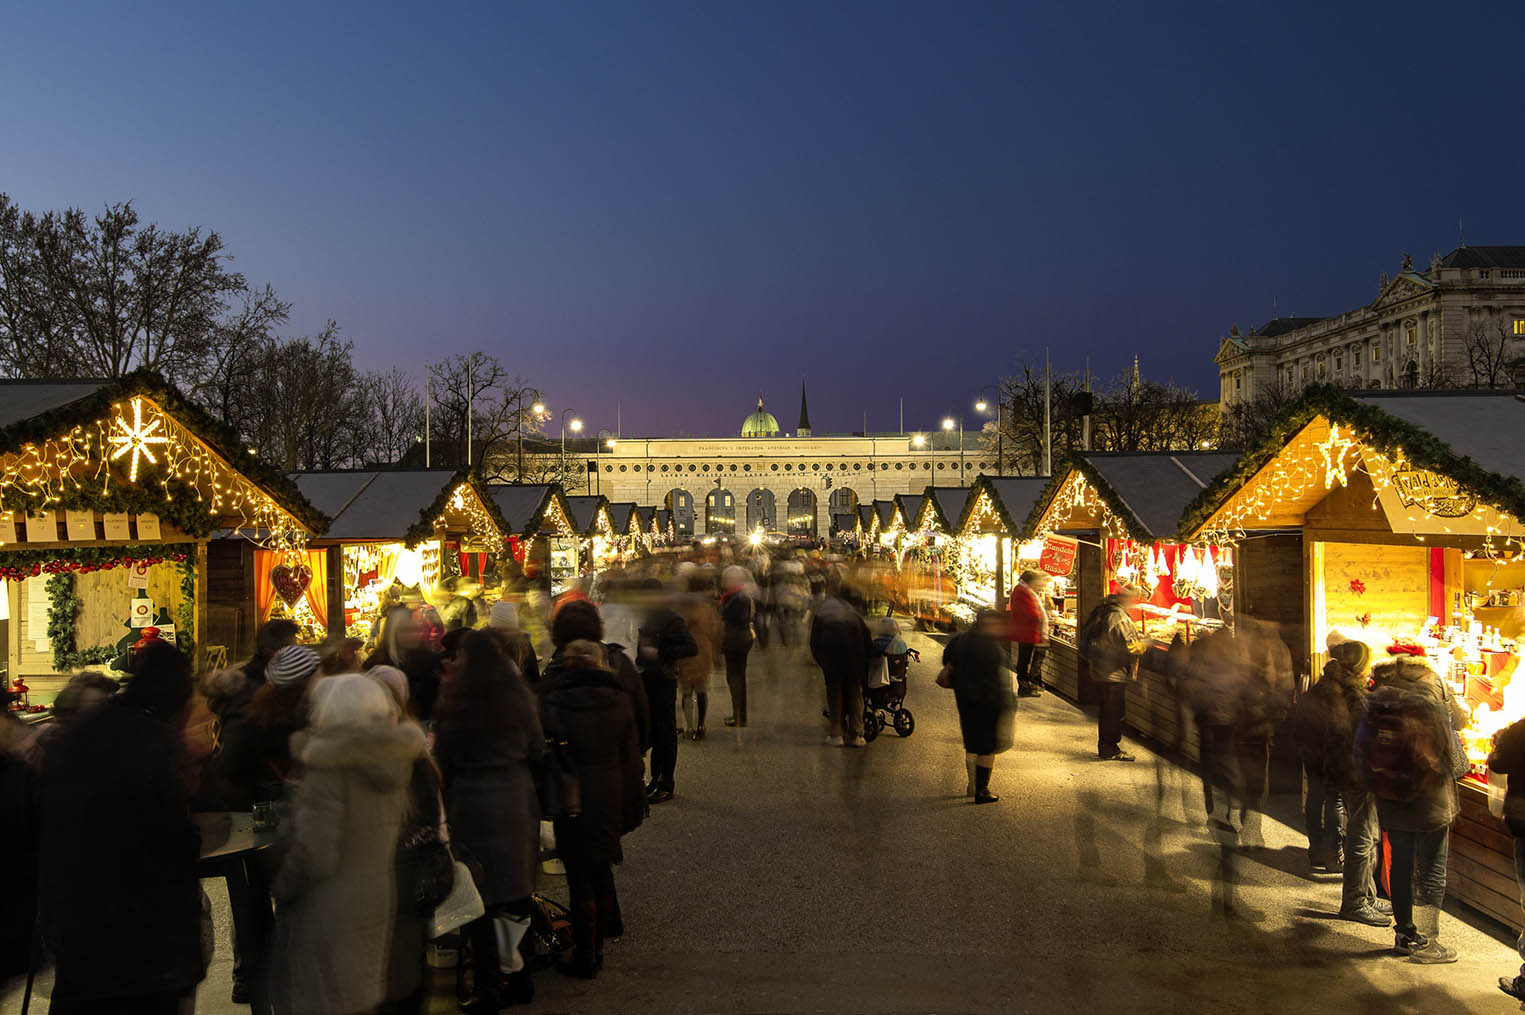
{"x": 662, "y": 693}
{"x": 1324, "y": 819}
{"x": 736, "y": 678}
{"x": 1361, "y": 838}
{"x": 1419, "y": 873}
{"x": 1029, "y": 666}
{"x": 1109, "y": 718}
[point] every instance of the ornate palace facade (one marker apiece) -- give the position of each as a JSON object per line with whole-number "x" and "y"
{"x": 1423, "y": 329}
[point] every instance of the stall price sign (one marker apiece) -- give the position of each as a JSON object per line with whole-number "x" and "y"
{"x": 115, "y": 524}
{"x": 80, "y": 525}
{"x": 137, "y": 575}
{"x": 1058, "y": 557}
{"x": 148, "y": 527}
{"x": 7, "y": 527}
{"x": 41, "y": 527}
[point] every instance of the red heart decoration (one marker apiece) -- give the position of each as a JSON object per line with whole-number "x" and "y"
{"x": 291, "y": 582}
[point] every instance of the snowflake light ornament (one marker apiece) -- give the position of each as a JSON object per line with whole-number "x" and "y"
{"x": 134, "y": 439}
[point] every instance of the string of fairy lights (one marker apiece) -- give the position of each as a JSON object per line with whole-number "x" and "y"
{"x": 143, "y": 440}
{"x": 1319, "y": 463}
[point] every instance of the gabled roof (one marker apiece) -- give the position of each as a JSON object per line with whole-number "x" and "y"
{"x": 522, "y": 507}
{"x": 1013, "y": 497}
{"x": 621, "y": 514}
{"x": 663, "y": 519}
{"x": 1470, "y": 436}
{"x": 36, "y": 411}
{"x": 1148, "y": 492}
{"x": 647, "y": 516}
{"x": 1485, "y": 257}
{"x": 908, "y": 505}
{"x": 946, "y": 503}
{"x": 373, "y": 504}
{"x": 843, "y": 522}
{"x": 885, "y": 512}
{"x": 584, "y": 512}
{"x": 865, "y": 516}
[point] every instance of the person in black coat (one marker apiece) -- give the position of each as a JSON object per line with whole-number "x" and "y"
{"x": 738, "y": 612}
{"x": 403, "y": 644}
{"x": 118, "y": 892}
{"x": 1508, "y": 759}
{"x": 592, "y": 714}
{"x": 18, "y": 844}
{"x": 664, "y": 639}
{"x": 579, "y": 620}
{"x": 982, "y": 691}
{"x": 841, "y": 645}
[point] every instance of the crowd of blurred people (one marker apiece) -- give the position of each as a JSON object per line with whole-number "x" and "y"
{"x": 453, "y": 727}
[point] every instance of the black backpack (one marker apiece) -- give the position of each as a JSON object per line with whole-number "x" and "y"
{"x": 1403, "y": 748}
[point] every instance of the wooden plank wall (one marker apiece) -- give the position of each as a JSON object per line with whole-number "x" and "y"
{"x": 230, "y": 597}
{"x": 1481, "y": 869}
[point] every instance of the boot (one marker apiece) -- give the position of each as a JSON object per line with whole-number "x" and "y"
{"x": 969, "y": 786}
{"x": 982, "y": 794}
{"x": 583, "y": 962}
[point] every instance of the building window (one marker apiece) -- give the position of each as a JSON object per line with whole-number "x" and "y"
{"x": 1319, "y": 368}
{"x": 746, "y": 468}
{"x": 610, "y": 468}
{"x": 816, "y": 467}
{"x": 941, "y": 466}
{"x": 664, "y": 468}
{"x": 1339, "y": 365}
{"x": 1305, "y": 373}
{"x": 857, "y": 466}
{"x": 1238, "y": 383}
{"x": 789, "y": 467}
{"x": 1519, "y": 327}
{"x": 1410, "y": 335}
{"x": 1376, "y": 352}
{"x": 899, "y": 466}
{"x": 775, "y": 466}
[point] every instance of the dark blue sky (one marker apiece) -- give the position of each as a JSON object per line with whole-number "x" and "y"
{"x": 678, "y": 205}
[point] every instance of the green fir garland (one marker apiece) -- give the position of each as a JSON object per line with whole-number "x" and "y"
{"x": 63, "y": 610}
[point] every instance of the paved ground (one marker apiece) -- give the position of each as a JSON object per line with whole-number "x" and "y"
{"x": 792, "y": 877}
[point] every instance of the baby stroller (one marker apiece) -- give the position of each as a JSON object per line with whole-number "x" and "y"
{"x": 884, "y": 705}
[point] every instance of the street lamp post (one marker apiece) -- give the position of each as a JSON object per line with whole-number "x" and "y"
{"x": 948, "y": 425}
{"x": 984, "y": 406}
{"x": 537, "y": 410}
{"x": 576, "y": 428}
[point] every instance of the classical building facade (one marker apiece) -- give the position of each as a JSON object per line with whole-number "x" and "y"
{"x": 770, "y": 480}
{"x": 1418, "y": 332}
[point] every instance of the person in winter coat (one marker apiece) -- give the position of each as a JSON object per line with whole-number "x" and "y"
{"x": 503, "y": 619}
{"x": 1030, "y": 625}
{"x": 982, "y": 692}
{"x": 1418, "y": 826}
{"x": 697, "y": 608}
{"x": 404, "y": 644}
{"x": 1324, "y": 725}
{"x": 592, "y": 714}
{"x": 1508, "y": 759}
{"x": 123, "y": 924}
{"x": 579, "y": 620}
{"x": 841, "y": 646}
{"x": 1110, "y": 647}
{"x": 487, "y": 741}
{"x": 664, "y": 640}
{"x": 83, "y": 692}
{"x": 335, "y": 889}
{"x": 421, "y": 823}
{"x": 738, "y": 611}
{"x": 1268, "y": 688}
{"x": 255, "y": 752}
{"x": 19, "y": 816}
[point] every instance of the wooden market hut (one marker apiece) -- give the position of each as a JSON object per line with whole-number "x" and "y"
{"x": 646, "y": 521}
{"x": 595, "y": 526}
{"x": 931, "y": 556}
{"x": 665, "y": 530}
{"x": 412, "y": 528}
{"x": 541, "y": 534}
{"x": 1406, "y": 507}
{"x": 989, "y": 533}
{"x": 1118, "y": 508}
{"x": 111, "y": 492}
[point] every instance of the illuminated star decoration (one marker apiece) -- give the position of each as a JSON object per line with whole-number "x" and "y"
{"x": 135, "y": 439}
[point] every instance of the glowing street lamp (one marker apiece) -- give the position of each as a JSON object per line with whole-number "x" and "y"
{"x": 948, "y": 425}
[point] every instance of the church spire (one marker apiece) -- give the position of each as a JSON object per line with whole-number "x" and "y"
{"x": 803, "y": 430}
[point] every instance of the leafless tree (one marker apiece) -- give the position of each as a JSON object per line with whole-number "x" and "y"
{"x": 1247, "y": 423}
{"x": 500, "y": 405}
{"x": 1135, "y": 414}
{"x": 1493, "y": 355}
{"x": 1021, "y": 418}
{"x": 107, "y": 295}
{"x": 395, "y": 410}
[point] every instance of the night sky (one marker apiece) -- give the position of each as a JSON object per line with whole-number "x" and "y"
{"x": 677, "y": 206}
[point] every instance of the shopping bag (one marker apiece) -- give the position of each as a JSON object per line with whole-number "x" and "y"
{"x": 879, "y": 676}
{"x": 461, "y": 906}
{"x": 510, "y": 930}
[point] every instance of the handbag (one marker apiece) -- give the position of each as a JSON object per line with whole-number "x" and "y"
{"x": 461, "y": 906}
{"x": 559, "y": 788}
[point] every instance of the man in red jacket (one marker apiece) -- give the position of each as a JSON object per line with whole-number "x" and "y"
{"x": 1029, "y": 613}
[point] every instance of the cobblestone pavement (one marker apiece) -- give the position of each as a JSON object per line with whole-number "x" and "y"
{"x": 789, "y": 876}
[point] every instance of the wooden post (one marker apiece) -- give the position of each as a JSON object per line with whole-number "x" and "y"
{"x": 336, "y": 591}
{"x": 201, "y": 605}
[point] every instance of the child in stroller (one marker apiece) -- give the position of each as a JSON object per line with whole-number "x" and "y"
{"x": 884, "y": 691}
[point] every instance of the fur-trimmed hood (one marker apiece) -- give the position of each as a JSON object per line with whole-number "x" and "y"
{"x": 1410, "y": 674}
{"x": 381, "y": 753}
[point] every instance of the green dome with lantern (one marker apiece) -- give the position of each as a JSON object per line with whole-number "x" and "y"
{"x": 760, "y": 424}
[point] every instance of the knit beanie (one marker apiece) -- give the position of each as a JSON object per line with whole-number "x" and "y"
{"x": 504, "y": 616}
{"x": 291, "y": 665}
